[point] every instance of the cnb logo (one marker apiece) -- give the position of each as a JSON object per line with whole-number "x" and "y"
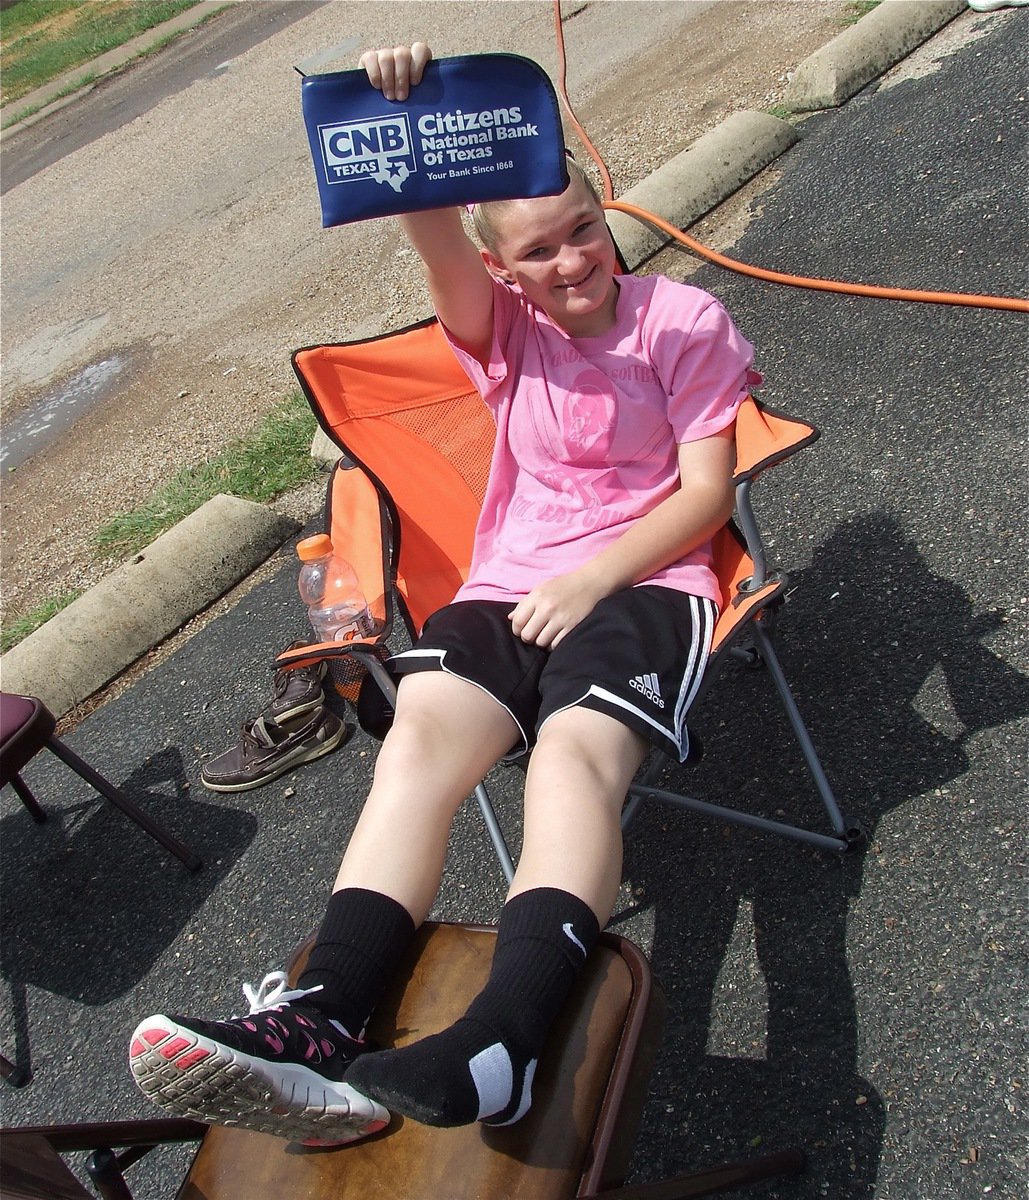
{"x": 377, "y": 148}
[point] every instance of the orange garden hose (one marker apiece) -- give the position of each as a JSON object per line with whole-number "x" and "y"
{"x": 1009, "y": 303}
{"x": 822, "y": 285}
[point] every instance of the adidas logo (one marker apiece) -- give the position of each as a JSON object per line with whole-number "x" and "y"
{"x": 648, "y": 685}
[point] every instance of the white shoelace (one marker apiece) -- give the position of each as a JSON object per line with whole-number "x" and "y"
{"x": 272, "y": 991}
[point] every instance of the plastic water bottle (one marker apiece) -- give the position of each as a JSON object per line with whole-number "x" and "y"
{"x": 329, "y": 588}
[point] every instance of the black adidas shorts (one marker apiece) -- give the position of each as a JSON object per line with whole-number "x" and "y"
{"x": 639, "y": 657}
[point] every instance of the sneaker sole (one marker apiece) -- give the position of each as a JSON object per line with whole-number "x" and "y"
{"x": 296, "y": 759}
{"x": 193, "y": 1076}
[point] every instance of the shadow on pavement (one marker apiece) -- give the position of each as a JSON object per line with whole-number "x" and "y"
{"x": 762, "y": 1042}
{"x": 91, "y": 902}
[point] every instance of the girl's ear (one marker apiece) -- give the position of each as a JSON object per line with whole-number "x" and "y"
{"x": 496, "y": 267}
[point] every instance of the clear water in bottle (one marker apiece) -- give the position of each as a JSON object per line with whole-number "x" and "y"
{"x": 328, "y": 586}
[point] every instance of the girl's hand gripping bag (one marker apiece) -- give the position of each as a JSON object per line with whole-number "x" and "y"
{"x": 478, "y": 127}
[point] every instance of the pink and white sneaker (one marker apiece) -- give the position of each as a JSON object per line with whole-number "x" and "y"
{"x": 278, "y": 1070}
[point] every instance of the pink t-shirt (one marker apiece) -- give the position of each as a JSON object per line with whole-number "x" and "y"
{"x": 587, "y": 429}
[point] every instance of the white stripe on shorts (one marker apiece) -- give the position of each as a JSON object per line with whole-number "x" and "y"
{"x": 440, "y": 656}
{"x": 704, "y": 613}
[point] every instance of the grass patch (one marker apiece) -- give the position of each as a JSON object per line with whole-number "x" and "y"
{"x": 858, "y": 9}
{"x": 273, "y": 460}
{"x": 41, "y": 39}
{"x": 14, "y": 631}
{"x": 23, "y": 114}
{"x": 783, "y": 111}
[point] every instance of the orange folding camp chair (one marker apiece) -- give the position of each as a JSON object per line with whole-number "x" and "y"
{"x": 415, "y": 440}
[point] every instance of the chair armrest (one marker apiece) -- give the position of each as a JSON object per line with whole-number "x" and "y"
{"x": 765, "y": 437}
{"x": 91, "y": 1136}
{"x": 308, "y": 656}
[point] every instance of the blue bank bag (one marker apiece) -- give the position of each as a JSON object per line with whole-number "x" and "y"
{"x": 478, "y": 127}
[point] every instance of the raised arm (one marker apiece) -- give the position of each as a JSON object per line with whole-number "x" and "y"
{"x": 458, "y": 280}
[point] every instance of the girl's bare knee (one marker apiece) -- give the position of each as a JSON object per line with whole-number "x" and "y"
{"x": 591, "y": 745}
{"x": 412, "y": 742}
{"x": 445, "y": 736}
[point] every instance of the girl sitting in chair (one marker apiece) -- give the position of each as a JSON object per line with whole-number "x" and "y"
{"x": 582, "y": 633}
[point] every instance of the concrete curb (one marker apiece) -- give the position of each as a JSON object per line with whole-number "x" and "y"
{"x": 138, "y": 605}
{"x": 842, "y": 67}
{"x": 324, "y": 450}
{"x": 190, "y": 566}
{"x": 699, "y": 178}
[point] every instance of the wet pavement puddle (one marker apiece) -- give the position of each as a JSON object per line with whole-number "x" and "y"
{"x": 29, "y": 432}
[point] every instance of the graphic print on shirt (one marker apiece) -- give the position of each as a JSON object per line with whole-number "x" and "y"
{"x": 588, "y": 421}
{"x": 583, "y": 436}
{"x": 572, "y": 442}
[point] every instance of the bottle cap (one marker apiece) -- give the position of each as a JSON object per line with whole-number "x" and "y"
{"x": 314, "y": 547}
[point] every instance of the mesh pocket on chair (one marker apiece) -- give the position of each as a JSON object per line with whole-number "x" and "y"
{"x": 346, "y": 672}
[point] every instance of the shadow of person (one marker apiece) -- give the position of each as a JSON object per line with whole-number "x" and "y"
{"x": 90, "y": 900}
{"x": 750, "y": 940}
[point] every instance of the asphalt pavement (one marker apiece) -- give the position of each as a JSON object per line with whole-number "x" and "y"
{"x": 869, "y": 1009}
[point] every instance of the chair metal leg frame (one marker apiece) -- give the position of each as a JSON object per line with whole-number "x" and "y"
{"x": 847, "y": 835}
{"x": 12, "y": 1074}
{"x": 758, "y": 650}
{"x": 157, "y": 832}
{"x": 496, "y": 834}
{"x": 844, "y": 828}
{"x": 820, "y": 840}
{"x": 377, "y": 669}
{"x": 744, "y": 513}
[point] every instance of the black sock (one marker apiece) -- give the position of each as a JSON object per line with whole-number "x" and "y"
{"x": 482, "y": 1067}
{"x": 362, "y": 938}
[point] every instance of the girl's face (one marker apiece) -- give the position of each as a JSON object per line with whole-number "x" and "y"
{"x": 560, "y": 253}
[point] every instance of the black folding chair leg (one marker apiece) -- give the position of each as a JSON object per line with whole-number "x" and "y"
{"x": 105, "y": 1170}
{"x": 715, "y": 1179}
{"x": 11, "y": 1074}
{"x": 27, "y": 798}
{"x": 157, "y": 832}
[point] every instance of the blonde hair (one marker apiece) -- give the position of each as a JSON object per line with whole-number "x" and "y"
{"x": 484, "y": 216}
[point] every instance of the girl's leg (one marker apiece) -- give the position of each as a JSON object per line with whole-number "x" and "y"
{"x": 482, "y": 1067}
{"x": 575, "y": 787}
{"x": 281, "y": 1068}
{"x": 446, "y": 735}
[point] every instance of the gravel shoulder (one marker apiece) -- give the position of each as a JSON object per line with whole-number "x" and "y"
{"x": 186, "y": 244}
